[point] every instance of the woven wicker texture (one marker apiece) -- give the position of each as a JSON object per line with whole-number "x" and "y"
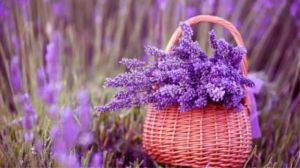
{"x": 212, "y": 136}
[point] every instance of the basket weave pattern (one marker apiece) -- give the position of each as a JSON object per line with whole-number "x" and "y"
{"x": 212, "y": 136}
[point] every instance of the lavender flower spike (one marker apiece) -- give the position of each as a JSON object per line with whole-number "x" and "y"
{"x": 84, "y": 114}
{"x": 70, "y": 129}
{"x": 70, "y": 161}
{"x": 29, "y": 117}
{"x": 96, "y": 161}
{"x": 41, "y": 79}
{"x": 52, "y": 59}
{"x": 132, "y": 63}
{"x": 83, "y": 110}
{"x": 15, "y": 75}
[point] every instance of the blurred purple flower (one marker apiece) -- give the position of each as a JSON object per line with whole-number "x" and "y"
{"x": 53, "y": 112}
{"x": 50, "y": 93}
{"x": 28, "y": 109}
{"x": 28, "y": 116}
{"x": 52, "y": 59}
{"x": 22, "y": 99}
{"x": 58, "y": 145}
{"x": 61, "y": 9}
{"x": 85, "y": 139}
{"x": 70, "y": 129}
{"x": 262, "y": 26}
{"x": 70, "y": 161}
{"x": 83, "y": 110}
{"x": 262, "y": 4}
{"x": 66, "y": 134}
{"x": 38, "y": 146}
{"x": 294, "y": 8}
{"x": 227, "y": 7}
{"x": 162, "y": 4}
{"x": 41, "y": 78}
{"x": 207, "y": 6}
{"x": 28, "y": 136}
{"x": 57, "y": 8}
{"x": 84, "y": 114}
{"x": 15, "y": 75}
{"x": 60, "y": 152}
{"x": 83, "y": 97}
{"x": 28, "y": 121}
{"x": 96, "y": 161}
{"x": 191, "y": 11}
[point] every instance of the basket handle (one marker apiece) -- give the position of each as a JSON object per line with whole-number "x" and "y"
{"x": 226, "y": 24}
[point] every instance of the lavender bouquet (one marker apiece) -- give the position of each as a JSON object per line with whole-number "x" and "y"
{"x": 185, "y": 76}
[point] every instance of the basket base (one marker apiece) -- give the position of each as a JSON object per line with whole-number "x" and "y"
{"x": 212, "y": 136}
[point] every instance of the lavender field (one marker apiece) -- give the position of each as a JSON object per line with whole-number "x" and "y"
{"x": 56, "y": 54}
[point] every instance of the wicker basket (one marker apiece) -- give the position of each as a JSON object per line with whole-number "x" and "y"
{"x": 212, "y": 136}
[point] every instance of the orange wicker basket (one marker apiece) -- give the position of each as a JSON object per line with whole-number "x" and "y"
{"x": 212, "y": 136}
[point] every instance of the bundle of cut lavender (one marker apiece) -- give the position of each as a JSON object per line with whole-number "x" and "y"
{"x": 184, "y": 76}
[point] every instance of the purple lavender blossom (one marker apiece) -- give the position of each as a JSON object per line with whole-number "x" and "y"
{"x": 15, "y": 75}
{"x": 187, "y": 31}
{"x": 50, "y": 93}
{"x": 85, "y": 139}
{"x": 58, "y": 145}
{"x": 162, "y": 4}
{"x": 41, "y": 78}
{"x": 294, "y": 8}
{"x": 28, "y": 113}
{"x": 28, "y": 136}
{"x": 83, "y": 109}
{"x": 70, "y": 129}
{"x": 64, "y": 139}
{"x": 153, "y": 51}
{"x": 29, "y": 117}
{"x": 49, "y": 90}
{"x": 52, "y": 59}
{"x": 53, "y": 112}
{"x": 207, "y": 6}
{"x": 132, "y": 63}
{"x": 60, "y": 9}
{"x": 190, "y": 11}
{"x": 228, "y": 7}
{"x": 84, "y": 114}
{"x": 66, "y": 133}
{"x": 96, "y": 161}
{"x": 215, "y": 93}
{"x": 70, "y": 161}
